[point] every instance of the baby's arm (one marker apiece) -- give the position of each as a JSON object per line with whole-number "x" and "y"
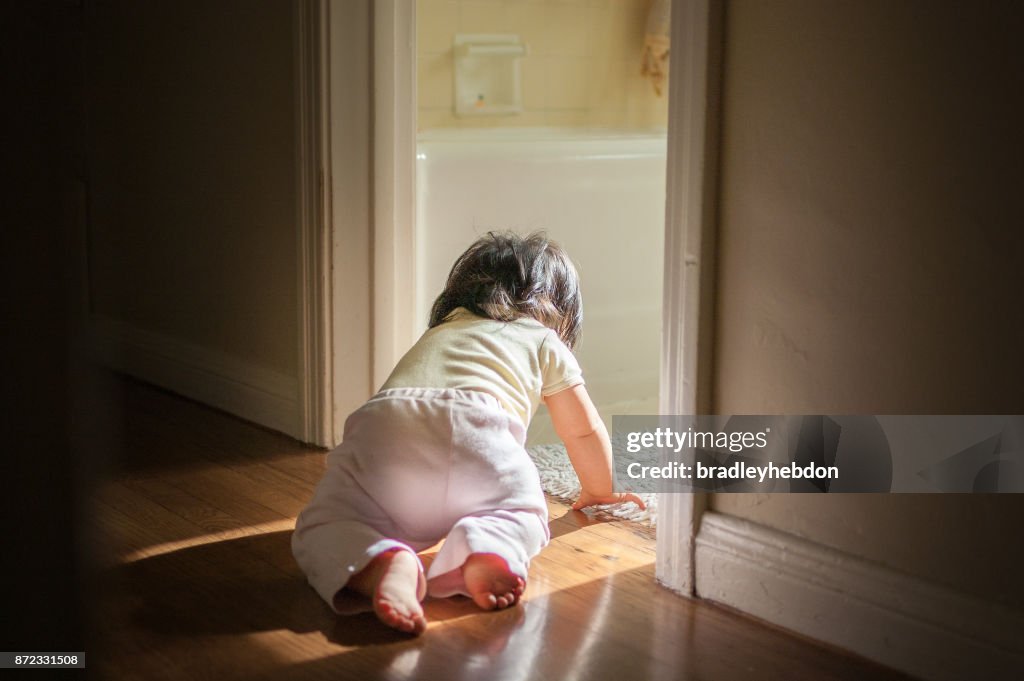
{"x": 590, "y": 451}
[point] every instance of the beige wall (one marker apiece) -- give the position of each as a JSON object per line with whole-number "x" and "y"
{"x": 870, "y": 254}
{"x": 583, "y": 67}
{"x": 192, "y": 180}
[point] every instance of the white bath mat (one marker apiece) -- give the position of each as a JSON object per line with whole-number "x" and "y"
{"x": 558, "y": 479}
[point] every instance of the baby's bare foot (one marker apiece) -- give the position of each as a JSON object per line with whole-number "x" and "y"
{"x": 391, "y": 580}
{"x": 395, "y": 600}
{"x": 490, "y": 582}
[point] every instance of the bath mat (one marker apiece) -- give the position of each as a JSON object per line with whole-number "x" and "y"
{"x": 558, "y": 479}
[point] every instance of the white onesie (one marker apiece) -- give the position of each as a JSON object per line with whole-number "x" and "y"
{"x": 438, "y": 453}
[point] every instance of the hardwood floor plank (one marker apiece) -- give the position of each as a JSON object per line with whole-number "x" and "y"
{"x": 200, "y": 584}
{"x": 235, "y": 495}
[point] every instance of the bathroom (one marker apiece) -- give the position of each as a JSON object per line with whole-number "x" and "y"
{"x": 555, "y": 127}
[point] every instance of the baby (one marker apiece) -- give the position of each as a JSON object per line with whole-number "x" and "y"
{"x": 438, "y": 452}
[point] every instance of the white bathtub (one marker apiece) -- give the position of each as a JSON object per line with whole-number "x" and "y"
{"x": 601, "y": 195}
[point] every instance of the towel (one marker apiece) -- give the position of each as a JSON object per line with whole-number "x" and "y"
{"x": 558, "y": 479}
{"x": 654, "y": 64}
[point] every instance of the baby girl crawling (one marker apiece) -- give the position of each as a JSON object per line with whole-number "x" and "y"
{"x": 438, "y": 451}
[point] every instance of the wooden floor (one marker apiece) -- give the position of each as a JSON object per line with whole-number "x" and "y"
{"x": 197, "y": 581}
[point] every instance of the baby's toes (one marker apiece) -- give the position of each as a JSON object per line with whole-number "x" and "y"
{"x": 513, "y": 595}
{"x": 417, "y": 624}
{"x": 401, "y": 617}
{"x": 486, "y": 601}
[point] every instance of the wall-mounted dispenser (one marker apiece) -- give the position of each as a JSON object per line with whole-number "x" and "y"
{"x": 487, "y": 77}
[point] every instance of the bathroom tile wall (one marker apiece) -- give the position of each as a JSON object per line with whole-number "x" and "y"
{"x": 582, "y": 70}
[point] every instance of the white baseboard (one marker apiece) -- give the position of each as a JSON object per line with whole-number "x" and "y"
{"x": 263, "y": 396}
{"x": 893, "y": 618}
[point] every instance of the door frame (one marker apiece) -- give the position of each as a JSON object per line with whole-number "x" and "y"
{"x": 394, "y": 183}
{"x": 695, "y": 62}
{"x": 313, "y": 221}
{"x": 376, "y": 221}
{"x": 334, "y": 220}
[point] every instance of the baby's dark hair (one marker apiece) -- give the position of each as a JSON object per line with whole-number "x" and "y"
{"x": 505, "y": 276}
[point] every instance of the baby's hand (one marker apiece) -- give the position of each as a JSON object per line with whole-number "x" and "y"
{"x": 587, "y": 499}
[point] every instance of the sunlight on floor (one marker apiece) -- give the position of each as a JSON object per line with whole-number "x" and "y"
{"x": 237, "y": 533}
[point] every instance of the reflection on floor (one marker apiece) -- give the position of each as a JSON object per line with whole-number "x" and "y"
{"x": 197, "y": 582}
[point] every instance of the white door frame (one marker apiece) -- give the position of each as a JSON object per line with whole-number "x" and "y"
{"x": 313, "y": 220}
{"x": 333, "y": 64}
{"x": 394, "y": 183}
{"x": 690, "y": 225}
{"x": 386, "y": 312}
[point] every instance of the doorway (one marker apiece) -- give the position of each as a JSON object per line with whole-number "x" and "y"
{"x": 398, "y": 261}
{"x": 576, "y": 148}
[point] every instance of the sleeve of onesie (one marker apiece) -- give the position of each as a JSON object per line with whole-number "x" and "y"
{"x": 558, "y": 366}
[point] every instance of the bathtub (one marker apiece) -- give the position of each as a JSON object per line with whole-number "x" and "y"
{"x": 601, "y": 195}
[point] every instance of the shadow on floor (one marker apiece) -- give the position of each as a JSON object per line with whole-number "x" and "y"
{"x": 161, "y": 431}
{"x": 247, "y": 595}
{"x": 251, "y": 584}
{"x": 218, "y": 589}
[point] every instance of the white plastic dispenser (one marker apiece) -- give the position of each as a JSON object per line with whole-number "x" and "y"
{"x": 487, "y": 76}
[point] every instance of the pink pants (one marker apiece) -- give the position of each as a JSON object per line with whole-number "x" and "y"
{"x": 418, "y": 465}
